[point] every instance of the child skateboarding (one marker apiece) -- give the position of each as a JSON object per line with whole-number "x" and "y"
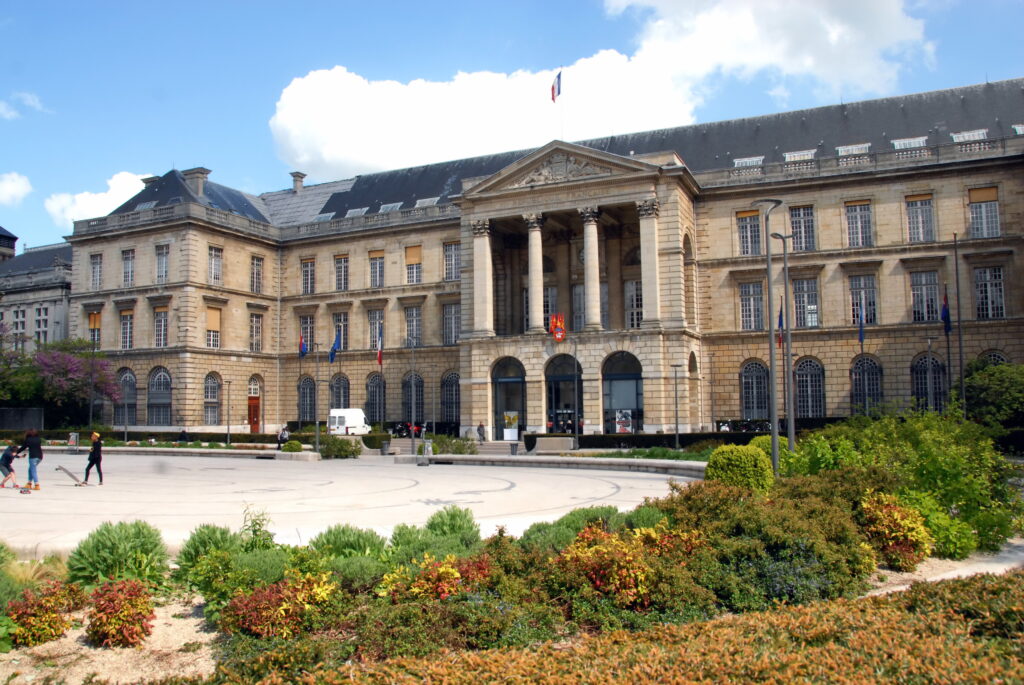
{"x": 95, "y": 459}
{"x": 7, "y": 466}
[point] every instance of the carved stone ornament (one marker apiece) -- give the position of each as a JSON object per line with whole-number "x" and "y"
{"x": 647, "y": 209}
{"x": 589, "y": 215}
{"x": 533, "y": 221}
{"x": 560, "y": 167}
{"x": 481, "y": 227}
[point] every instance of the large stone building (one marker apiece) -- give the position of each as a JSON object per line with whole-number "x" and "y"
{"x": 35, "y": 289}
{"x": 649, "y": 245}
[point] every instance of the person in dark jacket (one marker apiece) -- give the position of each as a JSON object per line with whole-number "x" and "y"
{"x": 34, "y": 444}
{"x": 95, "y": 459}
{"x": 7, "y": 466}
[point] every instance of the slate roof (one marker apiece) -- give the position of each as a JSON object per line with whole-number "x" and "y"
{"x": 36, "y": 259}
{"x": 996, "y": 107}
{"x": 4, "y": 233}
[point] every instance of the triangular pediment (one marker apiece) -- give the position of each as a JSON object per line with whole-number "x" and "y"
{"x": 560, "y": 162}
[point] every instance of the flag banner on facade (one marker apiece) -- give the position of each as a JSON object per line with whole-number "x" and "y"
{"x": 556, "y": 87}
{"x": 780, "y": 325}
{"x": 302, "y": 346}
{"x": 557, "y": 327}
{"x": 335, "y": 347}
{"x": 947, "y": 322}
{"x": 380, "y": 344}
{"x": 860, "y": 322}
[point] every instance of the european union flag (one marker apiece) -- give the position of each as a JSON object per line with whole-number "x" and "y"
{"x": 335, "y": 347}
{"x": 947, "y": 323}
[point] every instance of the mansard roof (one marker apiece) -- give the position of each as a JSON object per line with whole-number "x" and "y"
{"x": 36, "y": 259}
{"x": 870, "y": 125}
{"x": 4, "y": 233}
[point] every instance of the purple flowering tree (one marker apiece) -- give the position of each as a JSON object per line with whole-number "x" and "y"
{"x": 71, "y": 376}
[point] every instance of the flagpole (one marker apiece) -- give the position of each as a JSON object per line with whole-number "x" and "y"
{"x": 298, "y": 386}
{"x": 949, "y": 354}
{"x": 959, "y": 322}
{"x": 316, "y": 397}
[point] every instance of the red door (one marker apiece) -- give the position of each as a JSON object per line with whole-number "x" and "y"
{"x": 254, "y": 414}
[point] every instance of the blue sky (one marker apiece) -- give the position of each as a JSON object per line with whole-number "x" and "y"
{"x": 95, "y": 95}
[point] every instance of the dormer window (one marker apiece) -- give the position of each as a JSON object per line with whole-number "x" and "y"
{"x": 858, "y": 149}
{"x": 799, "y": 156}
{"x": 967, "y": 136}
{"x": 909, "y": 143}
{"x": 358, "y": 211}
{"x": 145, "y": 205}
{"x": 390, "y": 207}
{"x": 326, "y": 216}
{"x": 427, "y": 202}
{"x": 748, "y": 161}
{"x": 1018, "y": 129}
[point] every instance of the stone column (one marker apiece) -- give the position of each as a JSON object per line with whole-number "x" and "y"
{"x": 613, "y": 257}
{"x": 483, "y": 280}
{"x": 591, "y": 270}
{"x": 648, "y": 211}
{"x": 535, "y": 324}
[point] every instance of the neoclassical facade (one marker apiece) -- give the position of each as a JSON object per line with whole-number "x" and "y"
{"x": 650, "y": 249}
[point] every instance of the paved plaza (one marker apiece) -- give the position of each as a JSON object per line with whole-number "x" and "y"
{"x": 176, "y": 493}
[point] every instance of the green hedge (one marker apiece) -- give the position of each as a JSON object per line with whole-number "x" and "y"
{"x": 625, "y": 441}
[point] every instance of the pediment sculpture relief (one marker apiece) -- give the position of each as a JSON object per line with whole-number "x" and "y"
{"x": 560, "y": 167}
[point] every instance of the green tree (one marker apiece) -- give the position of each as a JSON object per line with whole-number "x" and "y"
{"x": 995, "y": 396}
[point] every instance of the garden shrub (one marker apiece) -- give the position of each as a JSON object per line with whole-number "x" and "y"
{"x": 119, "y": 551}
{"x": 7, "y": 628}
{"x": 255, "y": 534}
{"x": 204, "y": 539}
{"x": 6, "y": 555}
{"x": 344, "y": 540}
{"x": 38, "y": 619}
{"x": 446, "y": 444}
{"x": 740, "y": 465}
{"x": 764, "y": 443}
{"x": 246, "y": 659}
{"x": 334, "y": 447}
{"x": 991, "y": 604}
{"x": 846, "y": 486}
{"x": 821, "y": 451}
{"x": 432, "y": 578}
{"x": 65, "y": 597}
{"x": 644, "y": 516}
{"x": 261, "y": 566}
{"x": 456, "y": 522}
{"x": 410, "y": 542}
{"x": 898, "y": 533}
{"x": 578, "y": 519}
{"x": 953, "y": 538}
{"x": 292, "y": 446}
{"x": 358, "y": 574}
{"x": 694, "y": 505}
{"x": 283, "y": 609}
{"x": 547, "y": 538}
{"x": 121, "y": 614}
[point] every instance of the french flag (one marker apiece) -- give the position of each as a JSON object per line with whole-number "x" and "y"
{"x": 302, "y": 346}
{"x": 380, "y": 344}
{"x": 556, "y": 87}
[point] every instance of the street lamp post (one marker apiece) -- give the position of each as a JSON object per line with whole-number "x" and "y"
{"x": 92, "y": 381}
{"x": 228, "y": 417}
{"x": 316, "y": 398}
{"x": 675, "y": 373}
{"x": 773, "y": 408}
{"x": 711, "y": 392}
{"x": 929, "y": 380}
{"x": 412, "y": 342}
{"x": 790, "y": 389}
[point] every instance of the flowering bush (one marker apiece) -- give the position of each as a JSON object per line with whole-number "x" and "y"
{"x": 121, "y": 614}
{"x": 284, "y": 609}
{"x": 898, "y": 533}
{"x": 431, "y": 578}
{"x": 38, "y": 619}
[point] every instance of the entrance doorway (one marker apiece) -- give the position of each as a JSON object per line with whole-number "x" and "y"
{"x": 564, "y": 395}
{"x": 255, "y": 416}
{"x": 509, "y": 382}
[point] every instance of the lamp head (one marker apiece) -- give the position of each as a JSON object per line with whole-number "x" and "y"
{"x": 768, "y": 201}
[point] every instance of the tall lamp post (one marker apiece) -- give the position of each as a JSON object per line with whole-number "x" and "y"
{"x": 773, "y": 408}
{"x": 412, "y": 342}
{"x": 228, "y": 417}
{"x": 675, "y": 374}
{"x": 92, "y": 381}
{"x": 316, "y": 398}
{"x": 790, "y": 389}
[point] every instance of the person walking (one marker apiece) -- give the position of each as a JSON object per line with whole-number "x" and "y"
{"x": 7, "y": 466}
{"x": 34, "y": 444}
{"x": 283, "y": 437}
{"x": 480, "y": 433}
{"x": 95, "y": 459}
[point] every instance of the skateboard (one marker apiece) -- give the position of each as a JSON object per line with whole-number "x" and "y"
{"x": 71, "y": 475}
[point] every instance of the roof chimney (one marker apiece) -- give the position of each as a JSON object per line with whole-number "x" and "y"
{"x": 150, "y": 180}
{"x": 196, "y": 179}
{"x": 297, "y": 177}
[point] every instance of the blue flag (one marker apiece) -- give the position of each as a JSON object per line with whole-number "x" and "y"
{"x": 947, "y": 323}
{"x": 335, "y": 347}
{"x": 860, "y": 323}
{"x": 302, "y": 346}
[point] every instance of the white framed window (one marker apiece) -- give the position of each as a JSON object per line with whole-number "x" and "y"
{"x": 928, "y": 382}
{"x": 127, "y": 329}
{"x": 754, "y": 391}
{"x": 924, "y": 295}
{"x": 215, "y": 269}
{"x": 96, "y": 271}
{"x": 858, "y": 149}
{"x": 634, "y": 296}
{"x": 307, "y": 327}
{"x": 799, "y": 155}
{"x": 909, "y": 143}
{"x": 452, "y": 323}
{"x": 211, "y": 400}
{"x": 341, "y": 329}
{"x": 94, "y": 328}
{"x": 984, "y": 208}
{"x": 749, "y": 225}
{"x": 341, "y": 273}
{"x": 968, "y": 136}
{"x": 163, "y": 257}
{"x": 42, "y": 324}
{"x": 376, "y": 270}
{"x": 809, "y": 384}
{"x": 160, "y": 327}
{"x": 747, "y": 162}
{"x": 988, "y": 292}
{"x": 805, "y": 302}
{"x": 452, "y": 261}
{"x": 255, "y": 332}
{"x": 19, "y": 329}
{"x": 256, "y": 274}
{"x": 863, "y": 298}
{"x": 801, "y": 223}
{"x": 213, "y": 327}
{"x": 858, "y": 223}
{"x": 375, "y": 327}
{"x": 308, "y": 269}
{"x": 865, "y": 385}
{"x": 414, "y": 326}
{"x": 128, "y": 268}
{"x": 920, "y": 220}
{"x": 413, "y": 264}
{"x": 751, "y": 306}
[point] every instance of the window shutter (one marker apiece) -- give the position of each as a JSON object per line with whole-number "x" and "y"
{"x": 413, "y": 254}
{"x": 854, "y": 203}
{"x": 983, "y": 194}
{"x": 918, "y": 198}
{"x": 160, "y": 309}
{"x": 212, "y": 319}
{"x": 94, "y": 319}
{"x": 749, "y": 212}
{"x": 376, "y": 253}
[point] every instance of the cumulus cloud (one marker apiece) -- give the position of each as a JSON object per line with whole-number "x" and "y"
{"x": 13, "y": 188}
{"x": 8, "y": 112}
{"x": 30, "y": 100}
{"x": 66, "y": 208}
{"x": 335, "y": 123}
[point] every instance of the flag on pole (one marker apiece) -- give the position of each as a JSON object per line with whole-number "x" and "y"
{"x": 780, "y": 325}
{"x": 302, "y": 346}
{"x": 860, "y": 321}
{"x": 947, "y": 322}
{"x": 380, "y": 344}
{"x": 556, "y": 86}
{"x": 335, "y": 347}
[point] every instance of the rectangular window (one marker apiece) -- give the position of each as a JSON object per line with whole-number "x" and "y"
{"x": 858, "y": 223}
{"x": 550, "y": 302}
{"x": 19, "y": 329}
{"x": 751, "y": 307}
{"x": 127, "y": 326}
{"x": 805, "y": 302}
{"x": 920, "y": 222}
{"x": 801, "y": 223}
{"x": 308, "y": 267}
{"x": 341, "y": 327}
{"x": 307, "y": 327}
{"x": 215, "y": 272}
{"x": 988, "y": 292}
{"x": 256, "y": 274}
{"x": 255, "y": 332}
{"x": 375, "y": 328}
{"x": 42, "y": 324}
{"x": 213, "y": 327}
{"x": 863, "y": 298}
{"x": 128, "y": 268}
{"x": 377, "y": 269}
{"x": 96, "y": 271}
{"x": 413, "y": 326}
{"x": 579, "y": 307}
{"x": 984, "y": 206}
{"x": 413, "y": 264}
{"x": 94, "y": 328}
{"x": 634, "y": 297}
{"x": 924, "y": 294}
{"x": 160, "y": 327}
{"x": 341, "y": 273}
{"x": 452, "y": 262}
{"x": 749, "y": 224}
{"x": 163, "y": 256}
{"x": 452, "y": 323}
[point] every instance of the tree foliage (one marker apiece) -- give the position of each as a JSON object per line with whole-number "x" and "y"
{"x": 994, "y": 396}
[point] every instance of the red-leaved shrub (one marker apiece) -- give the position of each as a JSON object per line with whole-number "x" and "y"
{"x": 121, "y": 614}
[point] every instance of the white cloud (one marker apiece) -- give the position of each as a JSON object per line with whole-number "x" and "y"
{"x": 66, "y": 208}
{"x": 13, "y": 188}
{"x": 8, "y": 112}
{"x": 30, "y": 100}
{"x": 335, "y": 123}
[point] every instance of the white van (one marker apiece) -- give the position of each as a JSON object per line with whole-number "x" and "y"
{"x": 347, "y": 422}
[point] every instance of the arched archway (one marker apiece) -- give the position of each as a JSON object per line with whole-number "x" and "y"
{"x": 564, "y": 393}
{"x": 928, "y": 382}
{"x": 158, "y": 401}
{"x": 809, "y": 384}
{"x": 211, "y": 399}
{"x": 622, "y": 388}
{"x": 340, "y": 393}
{"x": 254, "y": 398}
{"x": 754, "y": 391}
{"x": 376, "y": 391}
{"x": 508, "y": 378}
{"x": 865, "y": 385}
{"x": 307, "y": 399}
{"x": 125, "y": 411}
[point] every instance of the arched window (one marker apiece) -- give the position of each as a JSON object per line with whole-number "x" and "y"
{"x": 255, "y": 387}
{"x": 375, "y": 394}
{"x": 307, "y": 399}
{"x": 450, "y": 399}
{"x": 412, "y": 398}
{"x": 158, "y": 408}
{"x": 928, "y": 389}
{"x": 622, "y": 385}
{"x": 754, "y": 391}
{"x": 865, "y": 385}
{"x": 211, "y": 400}
{"x": 993, "y": 357}
{"x": 809, "y": 383}
{"x": 125, "y": 410}
{"x": 339, "y": 392}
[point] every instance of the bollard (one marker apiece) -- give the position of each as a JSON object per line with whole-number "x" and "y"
{"x": 513, "y": 448}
